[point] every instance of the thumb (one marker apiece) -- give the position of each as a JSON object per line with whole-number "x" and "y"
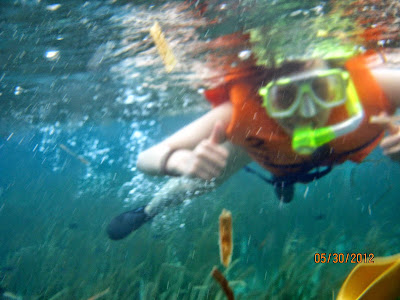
{"x": 217, "y": 135}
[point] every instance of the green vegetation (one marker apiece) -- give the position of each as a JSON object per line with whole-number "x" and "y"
{"x": 77, "y": 264}
{"x": 301, "y": 32}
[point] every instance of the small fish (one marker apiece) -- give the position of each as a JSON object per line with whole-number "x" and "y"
{"x": 73, "y": 226}
{"x": 7, "y": 269}
{"x": 320, "y": 217}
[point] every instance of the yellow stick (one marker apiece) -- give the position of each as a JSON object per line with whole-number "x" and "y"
{"x": 163, "y": 48}
{"x": 225, "y": 237}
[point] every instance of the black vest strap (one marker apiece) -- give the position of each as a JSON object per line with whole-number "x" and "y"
{"x": 309, "y": 171}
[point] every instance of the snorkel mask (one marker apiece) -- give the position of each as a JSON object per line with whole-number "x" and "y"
{"x": 327, "y": 89}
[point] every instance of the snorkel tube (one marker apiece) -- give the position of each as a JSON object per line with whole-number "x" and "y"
{"x": 306, "y": 140}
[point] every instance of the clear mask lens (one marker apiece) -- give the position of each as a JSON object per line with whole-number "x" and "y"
{"x": 283, "y": 97}
{"x": 326, "y": 88}
{"x": 329, "y": 90}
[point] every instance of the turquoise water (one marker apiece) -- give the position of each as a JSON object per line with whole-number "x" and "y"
{"x": 53, "y": 224}
{"x": 75, "y": 114}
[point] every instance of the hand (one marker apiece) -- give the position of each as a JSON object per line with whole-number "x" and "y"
{"x": 206, "y": 161}
{"x": 391, "y": 143}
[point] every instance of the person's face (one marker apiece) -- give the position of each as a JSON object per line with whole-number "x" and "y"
{"x": 309, "y": 113}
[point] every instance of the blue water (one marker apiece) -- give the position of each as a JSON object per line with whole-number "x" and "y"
{"x": 67, "y": 81}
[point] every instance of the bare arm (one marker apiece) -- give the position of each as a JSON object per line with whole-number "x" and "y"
{"x": 178, "y": 189}
{"x": 155, "y": 160}
{"x": 199, "y": 152}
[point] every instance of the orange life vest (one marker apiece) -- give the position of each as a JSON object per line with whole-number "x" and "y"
{"x": 269, "y": 145}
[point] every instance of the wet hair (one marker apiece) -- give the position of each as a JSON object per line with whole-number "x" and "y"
{"x": 289, "y": 68}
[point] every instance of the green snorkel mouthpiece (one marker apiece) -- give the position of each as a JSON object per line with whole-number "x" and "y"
{"x": 306, "y": 140}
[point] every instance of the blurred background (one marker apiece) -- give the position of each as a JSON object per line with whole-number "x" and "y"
{"x": 83, "y": 91}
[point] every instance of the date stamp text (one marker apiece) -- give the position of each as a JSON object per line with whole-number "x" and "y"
{"x": 343, "y": 258}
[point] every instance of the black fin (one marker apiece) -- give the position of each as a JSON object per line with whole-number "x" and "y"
{"x": 122, "y": 225}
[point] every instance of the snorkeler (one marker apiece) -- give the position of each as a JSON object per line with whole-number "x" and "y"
{"x": 293, "y": 120}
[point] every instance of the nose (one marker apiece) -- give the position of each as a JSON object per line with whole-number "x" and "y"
{"x": 308, "y": 107}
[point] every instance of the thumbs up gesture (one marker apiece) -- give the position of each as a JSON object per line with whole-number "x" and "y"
{"x": 207, "y": 160}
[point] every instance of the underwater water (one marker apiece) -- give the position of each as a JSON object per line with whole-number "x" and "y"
{"x": 82, "y": 92}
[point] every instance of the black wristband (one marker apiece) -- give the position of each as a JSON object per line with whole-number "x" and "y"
{"x": 163, "y": 165}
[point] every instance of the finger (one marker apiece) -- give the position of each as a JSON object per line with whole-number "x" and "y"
{"x": 205, "y": 171}
{"x": 392, "y": 128}
{"x": 213, "y": 166}
{"x": 212, "y": 154}
{"x": 382, "y": 119}
{"x": 219, "y": 151}
{"x": 217, "y": 135}
{"x": 390, "y": 141}
{"x": 392, "y": 150}
{"x": 387, "y": 121}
